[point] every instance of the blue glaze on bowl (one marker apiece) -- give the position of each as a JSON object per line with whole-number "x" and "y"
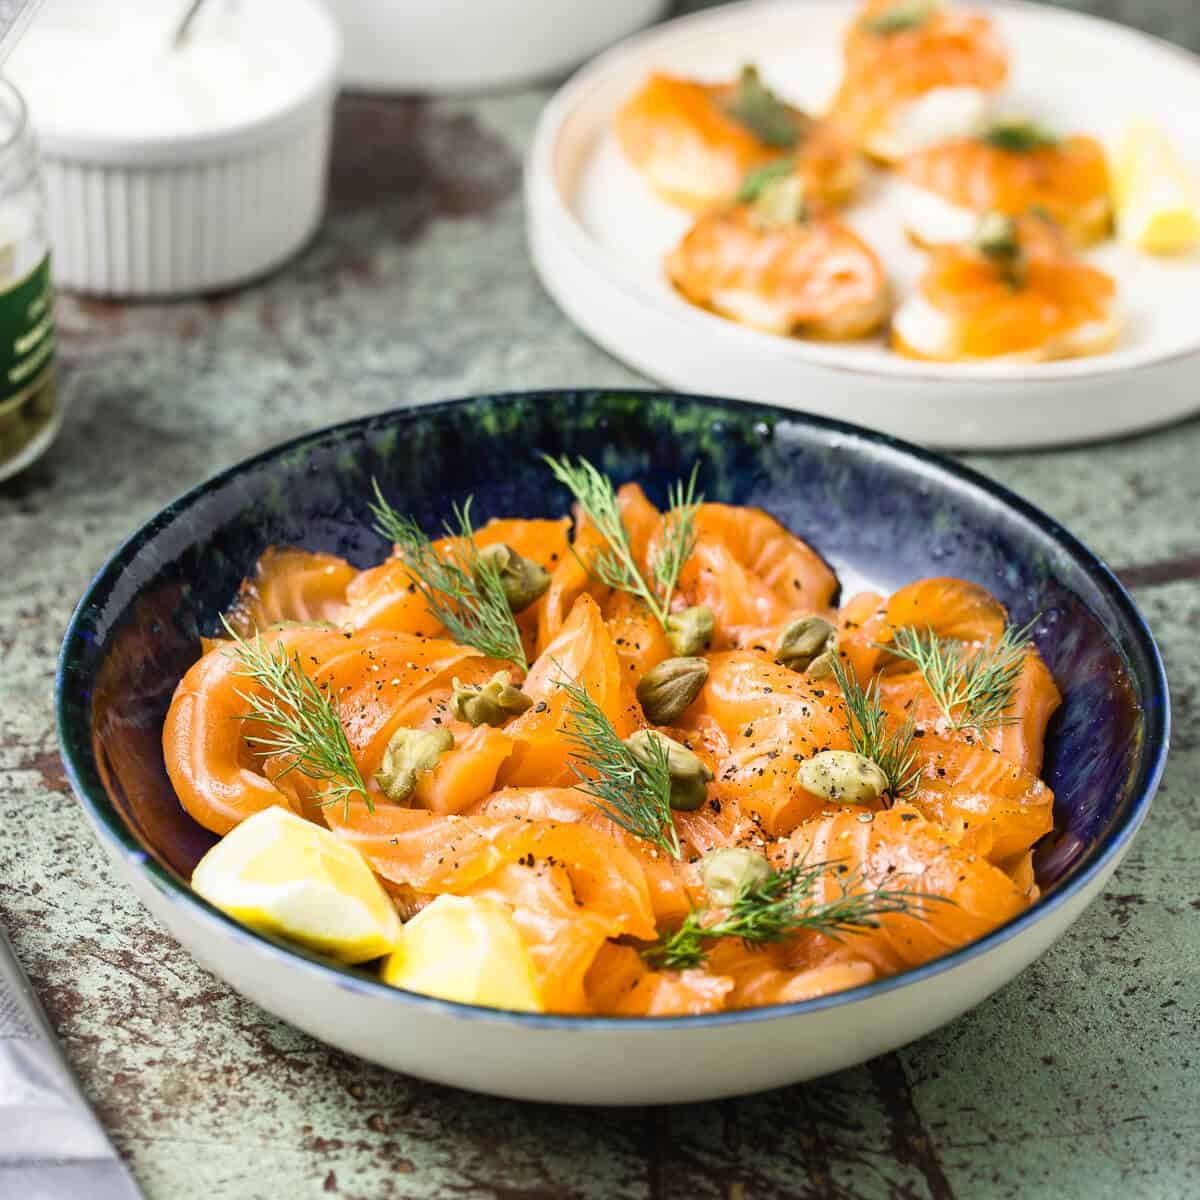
{"x": 879, "y": 510}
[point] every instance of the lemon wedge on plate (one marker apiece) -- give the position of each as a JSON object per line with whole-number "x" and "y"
{"x": 281, "y": 874}
{"x": 466, "y": 949}
{"x": 1157, "y": 197}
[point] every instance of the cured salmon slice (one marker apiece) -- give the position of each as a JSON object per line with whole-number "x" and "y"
{"x": 640, "y": 641}
{"x": 385, "y": 597}
{"x": 685, "y": 139}
{"x": 772, "y": 719}
{"x": 951, "y": 608}
{"x": 790, "y": 567}
{"x": 620, "y": 982}
{"x": 382, "y": 680}
{"x": 966, "y": 785}
{"x": 751, "y": 571}
{"x": 765, "y": 975}
{"x": 899, "y": 848}
{"x": 214, "y": 774}
{"x": 811, "y": 276}
{"x": 434, "y": 854}
{"x": 1067, "y": 180}
{"x": 667, "y": 878}
{"x": 582, "y": 653}
{"x": 1022, "y": 735}
{"x": 466, "y": 773}
{"x": 290, "y": 585}
{"x": 570, "y": 577}
{"x": 887, "y": 69}
{"x": 692, "y": 152}
{"x": 562, "y": 939}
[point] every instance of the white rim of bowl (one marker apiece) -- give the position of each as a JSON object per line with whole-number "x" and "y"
{"x": 548, "y": 205}
{"x": 161, "y": 150}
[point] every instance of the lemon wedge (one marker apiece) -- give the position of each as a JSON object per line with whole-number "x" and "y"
{"x": 284, "y": 875}
{"x": 466, "y": 949}
{"x": 1157, "y": 197}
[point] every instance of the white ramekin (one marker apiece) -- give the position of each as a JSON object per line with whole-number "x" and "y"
{"x": 467, "y": 46}
{"x": 199, "y": 213}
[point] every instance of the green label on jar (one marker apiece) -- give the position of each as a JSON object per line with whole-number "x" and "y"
{"x": 28, "y": 386}
{"x": 26, "y": 332}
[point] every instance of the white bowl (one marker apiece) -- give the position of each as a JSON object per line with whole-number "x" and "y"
{"x": 905, "y": 514}
{"x": 598, "y": 235}
{"x": 469, "y": 45}
{"x": 167, "y": 215}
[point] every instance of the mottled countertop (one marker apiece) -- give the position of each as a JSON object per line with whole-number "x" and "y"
{"x": 1077, "y": 1080}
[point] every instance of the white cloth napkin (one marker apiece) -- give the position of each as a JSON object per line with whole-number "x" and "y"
{"x": 51, "y": 1145}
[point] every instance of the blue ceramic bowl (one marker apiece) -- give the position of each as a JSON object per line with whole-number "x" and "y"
{"x": 882, "y": 512}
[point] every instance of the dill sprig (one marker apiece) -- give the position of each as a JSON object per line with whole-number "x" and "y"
{"x": 616, "y": 565}
{"x": 892, "y": 752}
{"x": 780, "y": 906}
{"x": 463, "y": 590}
{"x": 299, "y": 720}
{"x": 974, "y": 690}
{"x": 678, "y": 537}
{"x": 632, "y": 794}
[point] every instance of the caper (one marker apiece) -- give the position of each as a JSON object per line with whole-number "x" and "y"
{"x": 689, "y": 773}
{"x": 895, "y": 18}
{"x": 997, "y": 240}
{"x": 729, "y": 873}
{"x": 523, "y": 580}
{"x": 490, "y": 703}
{"x": 408, "y": 752}
{"x": 842, "y": 775}
{"x": 781, "y": 202}
{"x": 996, "y": 236}
{"x": 667, "y": 689}
{"x": 690, "y": 630}
{"x": 802, "y": 641}
{"x": 821, "y": 667}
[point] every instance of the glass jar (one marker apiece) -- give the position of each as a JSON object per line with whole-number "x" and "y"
{"x": 30, "y": 414}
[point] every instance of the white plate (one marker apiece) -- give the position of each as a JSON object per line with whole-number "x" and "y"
{"x": 598, "y": 234}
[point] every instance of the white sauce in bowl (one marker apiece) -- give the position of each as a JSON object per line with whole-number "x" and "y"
{"x": 110, "y": 72}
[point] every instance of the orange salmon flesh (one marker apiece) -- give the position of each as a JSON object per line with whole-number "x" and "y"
{"x": 507, "y": 814}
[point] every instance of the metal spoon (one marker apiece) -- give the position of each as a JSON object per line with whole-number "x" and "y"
{"x": 185, "y": 26}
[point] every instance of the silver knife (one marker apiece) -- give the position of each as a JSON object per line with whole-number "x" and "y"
{"x": 51, "y": 1145}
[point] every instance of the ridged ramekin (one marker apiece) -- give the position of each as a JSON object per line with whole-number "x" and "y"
{"x": 198, "y": 213}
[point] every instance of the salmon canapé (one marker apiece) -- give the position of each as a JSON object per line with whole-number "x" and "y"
{"x": 773, "y": 265}
{"x": 696, "y": 143}
{"x": 1015, "y": 291}
{"x": 637, "y": 761}
{"x": 917, "y": 72}
{"x": 1017, "y": 168}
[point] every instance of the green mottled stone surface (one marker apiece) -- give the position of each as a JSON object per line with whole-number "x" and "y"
{"x": 1079, "y": 1080}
